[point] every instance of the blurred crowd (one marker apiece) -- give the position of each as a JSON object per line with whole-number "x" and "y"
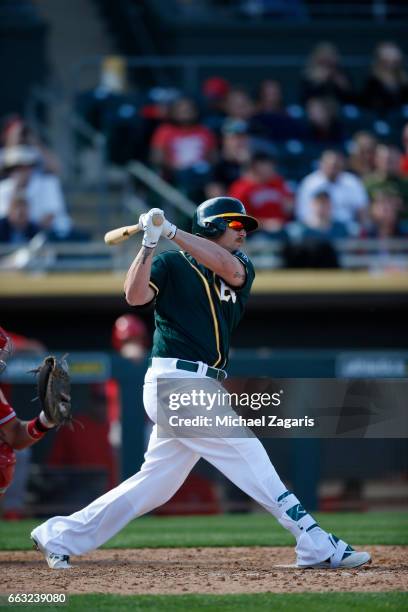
{"x": 332, "y": 165}
{"x": 31, "y": 195}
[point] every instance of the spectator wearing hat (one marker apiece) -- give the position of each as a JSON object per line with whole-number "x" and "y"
{"x": 46, "y": 206}
{"x": 16, "y": 228}
{"x": 130, "y": 337}
{"x": 17, "y": 132}
{"x": 214, "y": 91}
{"x": 347, "y": 192}
{"x": 264, "y": 193}
{"x": 215, "y": 88}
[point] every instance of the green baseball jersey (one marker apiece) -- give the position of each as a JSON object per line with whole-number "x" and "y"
{"x": 195, "y": 310}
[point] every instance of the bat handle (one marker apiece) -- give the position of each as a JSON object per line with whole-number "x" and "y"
{"x": 121, "y": 234}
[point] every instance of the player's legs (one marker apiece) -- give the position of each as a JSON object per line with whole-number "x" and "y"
{"x": 166, "y": 466}
{"x": 245, "y": 462}
{"x": 242, "y": 459}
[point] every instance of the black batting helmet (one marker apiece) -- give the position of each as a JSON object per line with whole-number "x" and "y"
{"x": 211, "y": 217}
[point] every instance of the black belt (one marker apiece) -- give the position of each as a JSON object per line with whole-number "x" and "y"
{"x": 192, "y": 366}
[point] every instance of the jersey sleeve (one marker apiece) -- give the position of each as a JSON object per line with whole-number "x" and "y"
{"x": 6, "y": 411}
{"x": 249, "y": 270}
{"x": 159, "y": 274}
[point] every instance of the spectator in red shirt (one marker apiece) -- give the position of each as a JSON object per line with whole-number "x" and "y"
{"x": 264, "y": 193}
{"x": 184, "y": 148}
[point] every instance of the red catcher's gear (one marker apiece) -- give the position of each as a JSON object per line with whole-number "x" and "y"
{"x": 129, "y": 327}
{"x": 7, "y": 463}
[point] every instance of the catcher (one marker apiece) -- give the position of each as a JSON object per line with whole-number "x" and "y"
{"x": 54, "y": 394}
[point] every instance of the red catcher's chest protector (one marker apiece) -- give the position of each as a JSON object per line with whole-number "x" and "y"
{"x": 7, "y": 464}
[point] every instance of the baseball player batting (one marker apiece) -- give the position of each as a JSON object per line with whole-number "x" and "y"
{"x": 199, "y": 294}
{"x": 16, "y": 434}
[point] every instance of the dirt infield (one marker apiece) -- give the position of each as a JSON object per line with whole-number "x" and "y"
{"x": 199, "y": 570}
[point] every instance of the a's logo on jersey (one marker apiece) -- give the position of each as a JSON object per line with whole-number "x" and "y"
{"x": 226, "y": 293}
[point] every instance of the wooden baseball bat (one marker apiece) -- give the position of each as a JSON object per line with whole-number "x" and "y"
{"x": 120, "y": 234}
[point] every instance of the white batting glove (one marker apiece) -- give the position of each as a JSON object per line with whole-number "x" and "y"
{"x": 151, "y": 232}
{"x": 169, "y": 230}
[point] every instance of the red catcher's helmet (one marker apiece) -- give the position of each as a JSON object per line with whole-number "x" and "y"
{"x": 128, "y": 327}
{"x": 6, "y": 348}
{"x": 7, "y": 463}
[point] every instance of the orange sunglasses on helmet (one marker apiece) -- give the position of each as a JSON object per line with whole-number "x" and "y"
{"x": 236, "y": 225}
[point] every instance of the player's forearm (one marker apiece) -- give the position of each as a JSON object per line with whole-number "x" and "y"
{"x": 22, "y": 438}
{"x": 137, "y": 289}
{"x": 208, "y": 253}
{"x": 21, "y": 434}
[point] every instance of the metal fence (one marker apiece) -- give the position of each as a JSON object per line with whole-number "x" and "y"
{"x": 39, "y": 255}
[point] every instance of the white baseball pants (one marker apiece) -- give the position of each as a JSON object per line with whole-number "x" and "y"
{"x": 166, "y": 466}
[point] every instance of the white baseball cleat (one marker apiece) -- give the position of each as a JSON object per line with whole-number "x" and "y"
{"x": 354, "y": 559}
{"x": 344, "y": 557}
{"x": 57, "y": 561}
{"x": 54, "y": 560}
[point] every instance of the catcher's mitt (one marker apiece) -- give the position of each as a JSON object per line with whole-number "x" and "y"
{"x": 54, "y": 390}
